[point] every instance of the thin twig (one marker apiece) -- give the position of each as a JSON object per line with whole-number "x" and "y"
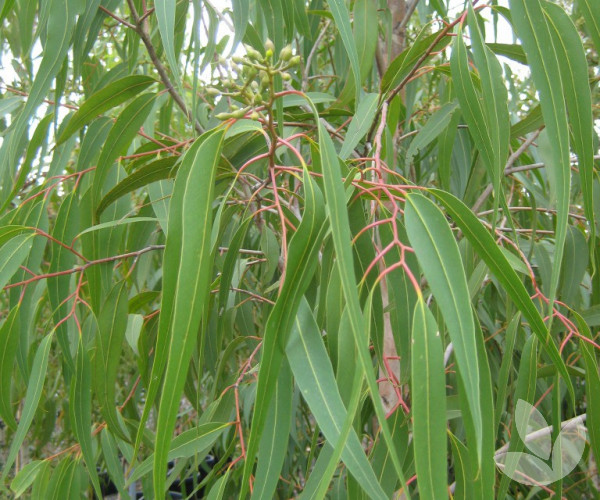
{"x": 140, "y": 29}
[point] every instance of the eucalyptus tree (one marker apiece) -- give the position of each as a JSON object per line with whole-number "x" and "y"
{"x": 340, "y": 249}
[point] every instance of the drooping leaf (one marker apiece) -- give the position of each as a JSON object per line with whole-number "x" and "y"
{"x": 437, "y": 252}
{"x": 105, "y": 99}
{"x": 9, "y": 342}
{"x": 535, "y": 33}
{"x": 194, "y": 275}
{"x": 314, "y": 375}
{"x": 360, "y": 124}
{"x": 30, "y": 404}
{"x": 301, "y": 264}
{"x": 487, "y": 249}
{"x": 428, "y": 396}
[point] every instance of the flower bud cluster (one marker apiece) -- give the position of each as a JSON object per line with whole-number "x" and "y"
{"x": 257, "y": 71}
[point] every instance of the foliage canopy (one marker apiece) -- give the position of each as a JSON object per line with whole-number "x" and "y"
{"x": 329, "y": 249}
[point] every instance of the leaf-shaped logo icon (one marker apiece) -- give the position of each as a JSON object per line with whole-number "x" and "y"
{"x": 535, "y": 434}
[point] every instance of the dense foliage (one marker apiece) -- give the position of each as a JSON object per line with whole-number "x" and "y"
{"x": 341, "y": 249}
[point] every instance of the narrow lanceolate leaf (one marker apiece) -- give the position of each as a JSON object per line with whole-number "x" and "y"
{"x": 107, "y": 98}
{"x": 120, "y": 136}
{"x": 112, "y": 323}
{"x": 434, "y": 127}
{"x": 574, "y": 75}
{"x": 495, "y": 101}
{"x": 65, "y": 230}
{"x": 314, "y": 375}
{"x": 535, "y": 33}
{"x": 486, "y": 247}
{"x": 12, "y": 255}
{"x": 437, "y": 252}
{"x": 400, "y": 67}
{"x": 301, "y": 264}
{"x": 9, "y": 342}
{"x": 486, "y": 113}
{"x": 591, "y": 13}
{"x": 26, "y": 476}
{"x": 274, "y": 443}
{"x": 61, "y": 21}
{"x": 32, "y": 399}
{"x": 165, "y": 15}
{"x": 428, "y": 396}
{"x": 152, "y": 172}
{"x": 525, "y": 392}
{"x": 186, "y": 445}
{"x": 335, "y": 195}
{"x": 360, "y": 124}
{"x": 366, "y": 29}
{"x": 194, "y": 276}
{"x": 241, "y": 14}
{"x": 592, "y": 383}
{"x": 80, "y": 406}
{"x": 341, "y": 16}
{"x": 171, "y": 262}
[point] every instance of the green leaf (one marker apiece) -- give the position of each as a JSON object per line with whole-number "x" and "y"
{"x": 9, "y": 342}
{"x": 428, "y": 397}
{"x": 525, "y": 392}
{"x": 59, "y": 28}
{"x": 536, "y": 36}
{"x": 360, "y": 124}
{"x": 335, "y": 195}
{"x": 402, "y": 65}
{"x": 12, "y": 255}
{"x": 116, "y": 223}
{"x": 574, "y": 76}
{"x": 186, "y": 445}
{"x": 592, "y": 383}
{"x": 59, "y": 287}
{"x": 301, "y": 264}
{"x": 436, "y": 124}
{"x": 366, "y": 32}
{"x": 274, "y": 443}
{"x": 532, "y": 121}
{"x": 241, "y": 15}
{"x": 120, "y": 136}
{"x": 80, "y": 407}
{"x": 27, "y": 475}
{"x": 32, "y": 399}
{"x": 170, "y": 267}
{"x": 591, "y": 13}
{"x": 486, "y": 247}
{"x": 314, "y": 375}
{"x": 165, "y": 15}
{"x": 112, "y": 323}
{"x": 510, "y": 50}
{"x": 194, "y": 275}
{"x": 437, "y": 252}
{"x": 341, "y": 16}
{"x": 105, "y": 99}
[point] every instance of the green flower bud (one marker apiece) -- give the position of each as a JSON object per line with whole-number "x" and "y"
{"x": 254, "y": 115}
{"x": 212, "y": 91}
{"x": 286, "y": 53}
{"x": 254, "y": 54}
{"x": 295, "y": 61}
{"x": 269, "y": 54}
{"x": 286, "y": 76}
{"x": 239, "y": 113}
{"x": 269, "y": 45}
{"x": 223, "y": 116}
